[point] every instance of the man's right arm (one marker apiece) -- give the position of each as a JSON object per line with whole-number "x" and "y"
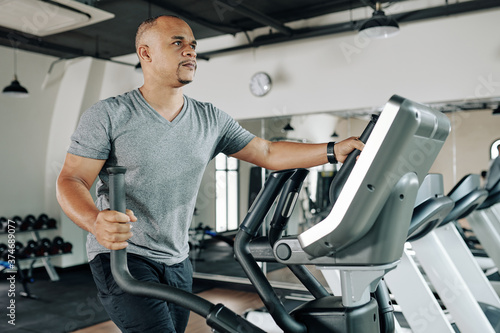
{"x": 73, "y": 185}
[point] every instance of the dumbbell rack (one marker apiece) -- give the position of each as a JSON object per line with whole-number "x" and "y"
{"x": 45, "y": 260}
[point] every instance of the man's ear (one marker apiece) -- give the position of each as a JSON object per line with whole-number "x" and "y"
{"x": 143, "y": 53}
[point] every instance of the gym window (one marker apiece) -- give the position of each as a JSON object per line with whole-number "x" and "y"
{"x": 226, "y": 193}
{"x": 494, "y": 149}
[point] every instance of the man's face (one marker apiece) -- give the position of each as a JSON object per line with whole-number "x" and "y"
{"x": 173, "y": 51}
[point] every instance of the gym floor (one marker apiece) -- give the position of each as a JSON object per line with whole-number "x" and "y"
{"x": 238, "y": 301}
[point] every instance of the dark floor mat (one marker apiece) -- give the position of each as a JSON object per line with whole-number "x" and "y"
{"x": 61, "y": 306}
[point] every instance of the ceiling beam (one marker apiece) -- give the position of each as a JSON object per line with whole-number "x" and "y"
{"x": 256, "y": 16}
{"x": 224, "y": 28}
{"x": 36, "y": 44}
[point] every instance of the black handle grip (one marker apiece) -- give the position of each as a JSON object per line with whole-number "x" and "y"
{"x": 344, "y": 172}
{"x": 117, "y": 188}
{"x": 285, "y": 205}
{"x": 264, "y": 201}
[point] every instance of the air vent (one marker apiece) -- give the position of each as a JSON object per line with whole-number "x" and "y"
{"x": 48, "y": 17}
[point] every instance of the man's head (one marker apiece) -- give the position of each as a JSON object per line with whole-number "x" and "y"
{"x": 166, "y": 46}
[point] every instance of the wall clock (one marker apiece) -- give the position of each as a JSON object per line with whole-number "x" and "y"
{"x": 260, "y": 84}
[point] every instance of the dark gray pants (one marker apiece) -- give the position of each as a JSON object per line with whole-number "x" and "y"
{"x": 139, "y": 314}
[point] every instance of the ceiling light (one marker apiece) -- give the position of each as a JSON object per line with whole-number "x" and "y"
{"x": 43, "y": 17}
{"x": 15, "y": 89}
{"x": 287, "y": 128}
{"x": 379, "y": 25}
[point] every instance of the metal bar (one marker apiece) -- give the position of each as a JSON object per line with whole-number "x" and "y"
{"x": 467, "y": 265}
{"x": 226, "y": 29}
{"x": 417, "y": 302}
{"x": 450, "y": 285}
{"x": 258, "y": 16}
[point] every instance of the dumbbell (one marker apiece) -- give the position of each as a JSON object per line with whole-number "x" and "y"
{"x": 39, "y": 250}
{"x": 27, "y": 223}
{"x": 29, "y": 249}
{"x": 64, "y": 247}
{"x": 46, "y": 246}
{"x": 3, "y": 247}
{"x": 18, "y": 246}
{"x": 58, "y": 241}
{"x": 67, "y": 247}
{"x": 51, "y": 223}
{"x": 3, "y": 252}
{"x": 42, "y": 247}
{"x": 3, "y": 223}
{"x": 42, "y": 219}
{"x": 18, "y": 221}
{"x": 5, "y": 255}
{"x": 46, "y": 242}
{"x": 52, "y": 247}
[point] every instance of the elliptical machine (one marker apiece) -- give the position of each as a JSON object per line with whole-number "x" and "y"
{"x": 362, "y": 237}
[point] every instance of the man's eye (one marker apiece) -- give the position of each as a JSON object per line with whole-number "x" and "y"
{"x": 177, "y": 43}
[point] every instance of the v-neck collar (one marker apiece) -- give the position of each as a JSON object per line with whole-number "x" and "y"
{"x": 148, "y": 107}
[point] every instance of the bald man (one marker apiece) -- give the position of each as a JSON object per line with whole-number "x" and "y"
{"x": 165, "y": 139}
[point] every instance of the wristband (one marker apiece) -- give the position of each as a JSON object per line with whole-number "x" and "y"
{"x": 330, "y": 153}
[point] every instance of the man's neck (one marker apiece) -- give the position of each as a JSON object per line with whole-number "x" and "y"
{"x": 167, "y": 102}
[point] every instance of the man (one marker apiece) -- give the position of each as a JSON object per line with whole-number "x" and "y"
{"x": 165, "y": 140}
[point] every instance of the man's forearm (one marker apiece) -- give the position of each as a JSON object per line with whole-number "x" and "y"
{"x": 288, "y": 155}
{"x": 76, "y": 202}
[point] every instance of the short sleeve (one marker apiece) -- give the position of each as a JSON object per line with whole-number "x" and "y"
{"x": 233, "y": 137}
{"x": 92, "y": 137}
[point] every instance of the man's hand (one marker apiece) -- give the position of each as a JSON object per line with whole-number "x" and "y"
{"x": 112, "y": 230}
{"x": 345, "y": 147}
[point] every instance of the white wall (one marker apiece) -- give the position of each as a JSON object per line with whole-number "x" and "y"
{"x": 24, "y": 131}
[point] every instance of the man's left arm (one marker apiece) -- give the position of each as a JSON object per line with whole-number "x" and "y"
{"x": 289, "y": 155}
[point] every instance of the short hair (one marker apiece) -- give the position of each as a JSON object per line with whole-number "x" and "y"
{"x": 146, "y": 25}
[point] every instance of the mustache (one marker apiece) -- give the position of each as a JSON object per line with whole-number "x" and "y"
{"x": 189, "y": 62}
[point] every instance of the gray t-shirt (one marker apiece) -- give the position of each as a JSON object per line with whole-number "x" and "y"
{"x": 165, "y": 163}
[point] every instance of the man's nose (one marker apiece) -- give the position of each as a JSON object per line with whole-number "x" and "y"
{"x": 189, "y": 52}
